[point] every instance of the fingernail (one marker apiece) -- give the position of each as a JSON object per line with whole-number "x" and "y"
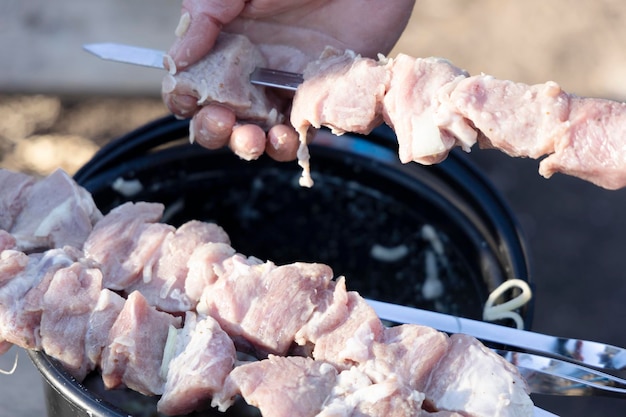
{"x": 183, "y": 25}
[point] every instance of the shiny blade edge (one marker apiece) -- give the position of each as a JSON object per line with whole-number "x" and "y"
{"x": 128, "y": 54}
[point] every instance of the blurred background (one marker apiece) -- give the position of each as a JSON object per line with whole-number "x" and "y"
{"x": 58, "y": 105}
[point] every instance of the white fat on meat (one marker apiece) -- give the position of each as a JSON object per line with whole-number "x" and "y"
{"x": 223, "y": 77}
{"x": 472, "y": 379}
{"x": 300, "y": 386}
{"x": 164, "y": 275}
{"x": 134, "y": 353}
{"x": 124, "y": 241}
{"x": 203, "y": 357}
{"x": 355, "y": 394}
{"x": 57, "y": 212}
{"x": 66, "y": 309}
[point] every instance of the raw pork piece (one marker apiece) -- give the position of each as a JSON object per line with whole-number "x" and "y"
{"x": 124, "y": 241}
{"x": 201, "y": 268}
{"x": 7, "y": 241}
{"x": 426, "y": 128}
{"x": 57, "y": 213}
{"x": 164, "y": 275}
{"x": 262, "y": 306}
{"x": 347, "y": 341}
{"x": 66, "y": 308}
{"x": 409, "y": 352}
{"x": 12, "y": 262}
{"x": 14, "y": 187}
{"x": 224, "y": 77}
{"x": 106, "y": 310}
{"x": 593, "y": 148}
{"x": 340, "y": 91}
{"x": 134, "y": 353}
{"x": 280, "y": 386}
{"x": 472, "y": 379}
{"x": 583, "y": 137}
{"x": 21, "y": 297}
{"x": 203, "y": 357}
{"x": 355, "y": 394}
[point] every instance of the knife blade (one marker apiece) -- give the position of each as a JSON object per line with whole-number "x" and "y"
{"x": 154, "y": 58}
{"x": 586, "y": 352}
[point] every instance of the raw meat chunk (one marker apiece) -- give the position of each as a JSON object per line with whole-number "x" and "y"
{"x": 57, "y": 213}
{"x": 124, "y": 241}
{"x": 280, "y": 386}
{"x": 104, "y": 314}
{"x": 135, "y": 351}
{"x": 66, "y": 309}
{"x": 472, "y": 379}
{"x": 204, "y": 356}
{"x": 224, "y": 77}
{"x": 164, "y": 275}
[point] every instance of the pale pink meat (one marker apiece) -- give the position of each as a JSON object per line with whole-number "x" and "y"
{"x": 7, "y": 241}
{"x": 280, "y": 386}
{"x": 350, "y": 342}
{"x": 66, "y": 309}
{"x": 21, "y": 297}
{"x": 344, "y": 93}
{"x": 164, "y": 275}
{"x": 410, "y": 352}
{"x": 201, "y": 268}
{"x": 12, "y": 262}
{"x": 124, "y": 241}
{"x": 14, "y": 187}
{"x": 204, "y": 356}
{"x": 355, "y": 394}
{"x": 104, "y": 313}
{"x": 135, "y": 347}
{"x": 224, "y": 77}
{"x": 516, "y": 118}
{"x": 593, "y": 148}
{"x": 244, "y": 301}
{"x": 425, "y": 127}
{"x": 472, "y": 379}
{"x": 57, "y": 213}
{"x": 434, "y": 106}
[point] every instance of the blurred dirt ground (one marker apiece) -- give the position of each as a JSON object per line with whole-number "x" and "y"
{"x": 57, "y": 115}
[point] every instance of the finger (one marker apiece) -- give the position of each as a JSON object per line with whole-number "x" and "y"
{"x": 200, "y": 24}
{"x": 212, "y": 126}
{"x": 282, "y": 143}
{"x": 248, "y": 141}
{"x": 182, "y": 105}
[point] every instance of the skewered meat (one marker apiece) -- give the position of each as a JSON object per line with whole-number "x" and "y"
{"x": 135, "y": 347}
{"x": 62, "y": 214}
{"x": 349, "y": 362}
{"x": 204, "y": 355}
{"x": 434, "y": 106}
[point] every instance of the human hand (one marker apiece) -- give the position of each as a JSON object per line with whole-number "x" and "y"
{"x": 290, "y": 34}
